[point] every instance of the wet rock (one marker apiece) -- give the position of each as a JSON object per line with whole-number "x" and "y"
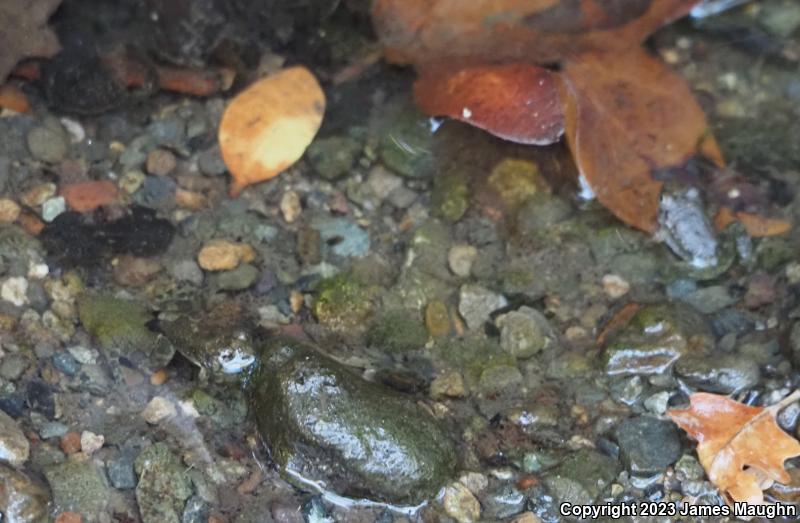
{"x": 120, "y": 327}
{"x": 523, "y": 332}
{"x": 476, "y": 304}
{"x": 159, "y": 408}
{"x": 723, "y": 374}
{"x": 710, "y": 299}
{"x": 460, "y": 259}
{"x": 648, "y": 445}
{"x": 224, "y": 255}
{"x": 581, "y": 477}
{"x": 121, "y": 472}
{"x": 242, "y": 277}
{"x": 343, "y": 302}
{"x": 324, "y": 422}
{"x": 22, "y": 500}
{"x": 346, "y": 237}
{"x": 334, "y": 156}
{"x": 460, "y": 504}
{"x": 161, "y": 162}
{"x": 397, "y": 331}
{"x": 503, "y": 502}
{"x": 656, "y": 337}
{"x": 450, "y": 197}
{"x": 48, "y": 143}
{"x": 164, "y": 485}
{"x": 73, "y": 240}
{"x": 78, "y": 486}
{"x": 14, "y": 446}
{"x": 405, "y": 146}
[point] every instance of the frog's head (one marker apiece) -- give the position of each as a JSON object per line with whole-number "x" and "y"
{"x": 236, "y": 354}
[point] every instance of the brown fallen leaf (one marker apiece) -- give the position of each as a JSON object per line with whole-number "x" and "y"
{"x": 756, "y": 225}
{"x": 268, "y": 126}
{"x": 517, "y": 102}
{"x": 741, "y": 448}
{"x": 627, "y": 114}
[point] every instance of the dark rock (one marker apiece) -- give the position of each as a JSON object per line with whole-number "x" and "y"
{"x": 64, "y": 362}
{"x": 157, "y": 192}
{"x": 120, "y": 472}
{"x": 72, "y": 240}
{"x": 648, "y": 445}
{"x": 320, "y": 419}
{"x": 724, "y": 374}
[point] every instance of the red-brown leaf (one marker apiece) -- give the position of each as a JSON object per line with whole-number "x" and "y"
{"x": 627, "y": 114}
{"x": 516, "y": 102}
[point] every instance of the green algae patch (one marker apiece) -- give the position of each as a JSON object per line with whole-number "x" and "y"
{"x": 326, "y": 424}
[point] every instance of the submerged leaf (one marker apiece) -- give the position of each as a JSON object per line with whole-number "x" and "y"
{"x": 516, "y": 102}
{"x": 626, "y": 116}
{"x": 269, "y": 125}
{"x": 742, "y": 448}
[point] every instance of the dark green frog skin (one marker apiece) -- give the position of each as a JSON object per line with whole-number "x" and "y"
{"x": 214, "y": 349}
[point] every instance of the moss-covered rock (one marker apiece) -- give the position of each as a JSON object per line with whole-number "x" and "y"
{"x": 78, "y": 487}
{"x": 332, "y": 157}
{"x": 405, "y": 146}
{"x": 397, "y": 331}
{"x": 344, "y": 303}
{"x": 120, "y": 327}
{"x": 581, "y": 477}
{"x": 325, "y": 423}
{"x": 450, "y": 196}
{"x": 164, "y": 485}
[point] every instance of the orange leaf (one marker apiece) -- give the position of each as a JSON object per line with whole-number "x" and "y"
{"x": 742, "y": 448}
{"x": 269, "y": 125}
{"x": 756, "y": 225}
{"x": 516, "y": 102}
{"x": 88, "y": 196}
{"x": 626, "y": 115}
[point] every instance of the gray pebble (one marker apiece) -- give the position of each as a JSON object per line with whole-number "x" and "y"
{"x": 46, "y": 144}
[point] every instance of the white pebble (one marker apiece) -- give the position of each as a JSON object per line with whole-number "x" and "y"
{"x": 76, "y": 132}
{"x": 15, "y": 290}
{"x": 52, "y": 207}
{"x": 91, "y": 442}
{"x": 615, "y": 286}
{"x": 158, "y": 409}
{"x": 37, "y": 271}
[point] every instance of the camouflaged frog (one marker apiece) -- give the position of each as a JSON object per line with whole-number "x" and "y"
{"x": 219, "y": 342}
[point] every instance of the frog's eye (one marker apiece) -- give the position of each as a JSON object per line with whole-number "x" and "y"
{"x": 233, "y": 361}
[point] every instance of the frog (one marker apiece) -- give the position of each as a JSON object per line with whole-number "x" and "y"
{"x": 219, "y": 342}
{"x": 685, "y": 228}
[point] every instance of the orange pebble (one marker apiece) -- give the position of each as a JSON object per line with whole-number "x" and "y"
{"x": 69, "y": 517}
{"x": 159, "y": 377}
{"x": 71, "y": 442}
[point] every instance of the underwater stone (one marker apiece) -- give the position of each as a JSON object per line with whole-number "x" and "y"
{"x": 325, "y": 423}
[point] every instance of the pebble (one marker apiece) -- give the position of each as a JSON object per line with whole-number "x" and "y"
{"x": 64, "y": 362}
{"x": 448, "y": 385}
{"x": 39, "y": 194}
{"x": 161, "y": 162}
{"x": 12, "y": 366}
{"x": 522, "y": 332}
{"x": 476, "y": 304}
{"x": 437, "y": 319}
{"x": 74, "y": 129}
{"x": 157, "y": 191}
{"x": 460, "y": 504}
{"x": 47, "y": 144}
{"x": 210, "y": 162}
{"x": 9, "y": 210}
{"x": 52, "y": 429}
{"x": 120, "y": 472}
{"x": 83, "y": 355}
{"x": 159, "y": 408}
{"x": 69, "y": 517}
{"x": 91, "y": 442}
{"x": 186, "y": 270}
{"x": 526, "y": 517}
{"x": 381, "y": 182}
{"x": 88, "y": 196}
{"x": 238, "y": 279}
{"x": 132, "y": 181}
{"x": 71, "y": 442}
{"x": 351, "y": 240}
{"x": 474, "y": 481}
{"x": 14, "y": 446}
{"x": 224, "y": 255}
{"x": 658, "y": 402}
{"x": 615, "y": 286}
{"x": 14, "y": 290}
{"x": 132, "y": 271}
{"x": 52, "y": 207}
{"x": 460, "y": 259}
{"x": 647, "y": 444}
{"x": 290, "y": 206}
